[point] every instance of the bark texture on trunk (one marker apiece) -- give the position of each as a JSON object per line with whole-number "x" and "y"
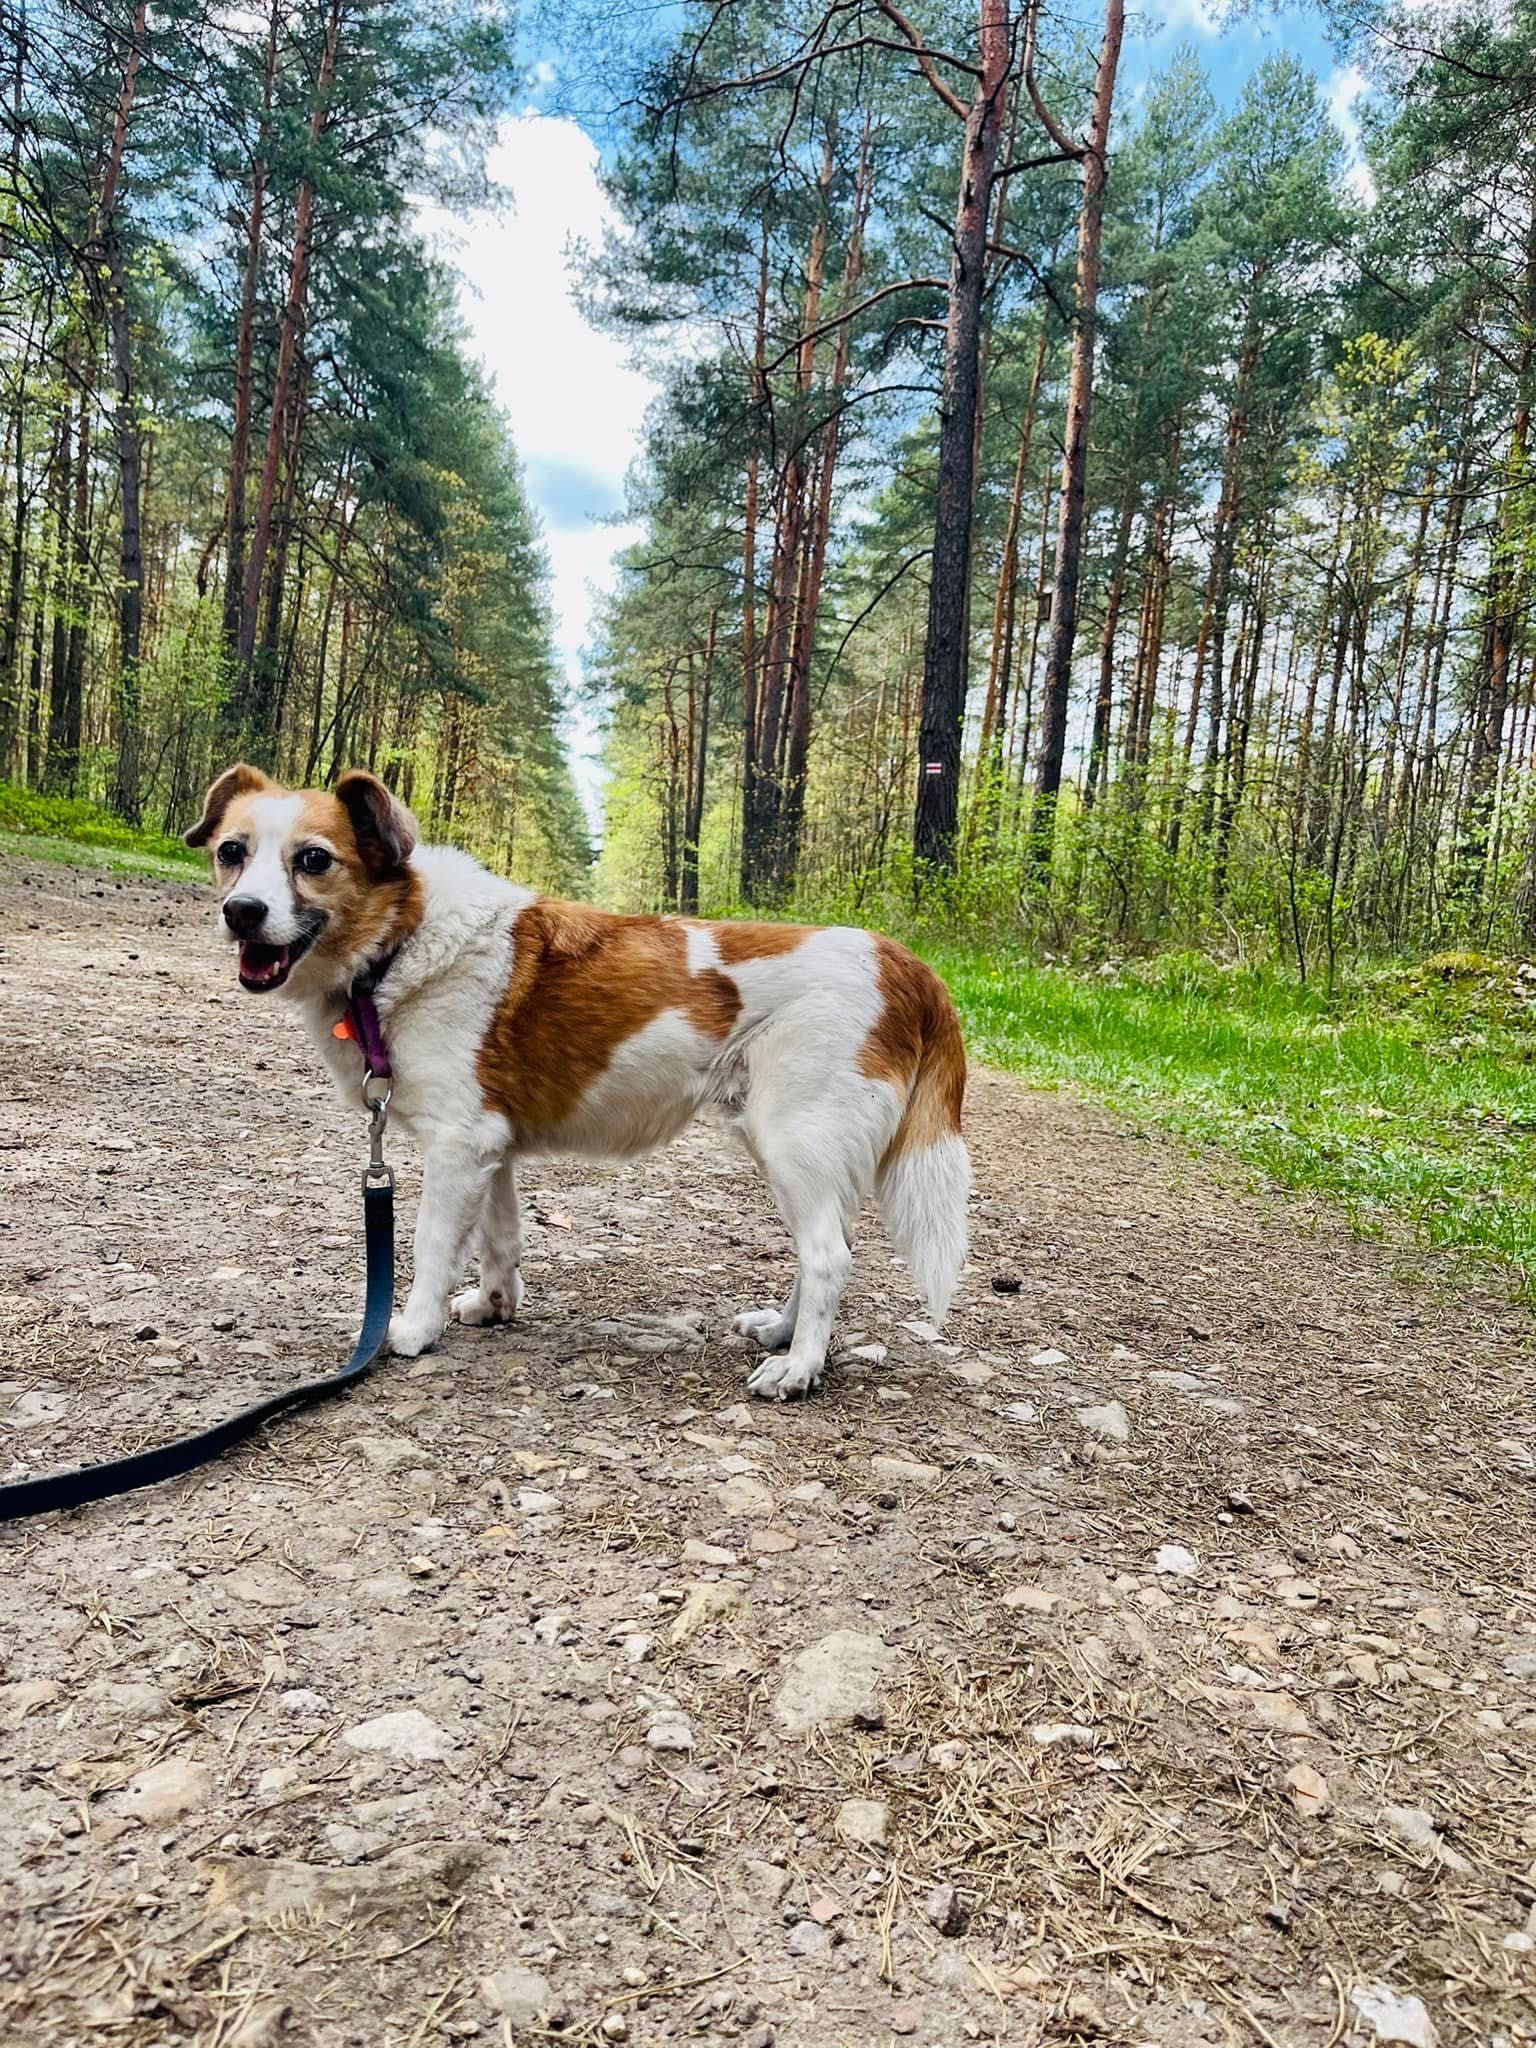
{"x": 1074, "y": 459}
{"x": 941, "y": 719}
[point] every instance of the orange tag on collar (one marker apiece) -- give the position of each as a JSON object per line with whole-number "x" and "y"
{"x": 343, "y": 1029}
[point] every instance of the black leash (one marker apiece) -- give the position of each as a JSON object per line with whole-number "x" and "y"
{"x": 146, "y": 1468}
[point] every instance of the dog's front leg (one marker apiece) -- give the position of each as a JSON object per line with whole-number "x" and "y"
{"x": 455, "y": 1176}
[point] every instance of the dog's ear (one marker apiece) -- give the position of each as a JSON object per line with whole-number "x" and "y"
{"x": 386, "y": 831}
{"x": 221, "y": 794}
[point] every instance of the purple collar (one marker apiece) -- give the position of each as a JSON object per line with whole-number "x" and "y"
{"x": 361, "y": 1020}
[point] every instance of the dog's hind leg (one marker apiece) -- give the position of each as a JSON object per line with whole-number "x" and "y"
{"x": 499, "y": 1248}
{"x": 818, "y": 1153}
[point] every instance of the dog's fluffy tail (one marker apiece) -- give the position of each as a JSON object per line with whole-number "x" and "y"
{"x": 925, "y": 1176}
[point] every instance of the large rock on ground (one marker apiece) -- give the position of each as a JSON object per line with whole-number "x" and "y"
{"x": 834, "y": 1682}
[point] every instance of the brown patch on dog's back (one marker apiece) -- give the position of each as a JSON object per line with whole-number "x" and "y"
{"x": 915, "y": 1044}
{"x": 583, "y": 982}
{"x": 740, "y": 940}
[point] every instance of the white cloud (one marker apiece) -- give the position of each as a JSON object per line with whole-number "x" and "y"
{"x": 1346, "y": 86}
{"x": 575, "y": 406}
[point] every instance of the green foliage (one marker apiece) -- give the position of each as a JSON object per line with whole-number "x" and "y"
{"x": 54, "y": 827}
{"x": 1405, "y": 1098}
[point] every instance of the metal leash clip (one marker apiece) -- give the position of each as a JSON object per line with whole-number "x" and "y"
{"x": 377, "y": 1173}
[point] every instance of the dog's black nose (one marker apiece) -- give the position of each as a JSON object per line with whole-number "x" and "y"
{"x": 245, "y": 915}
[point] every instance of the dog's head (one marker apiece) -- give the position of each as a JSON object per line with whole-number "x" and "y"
{"x": 311, "y": 883}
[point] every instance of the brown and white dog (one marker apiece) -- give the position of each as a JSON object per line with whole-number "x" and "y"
{"x": 519, "y": 1026}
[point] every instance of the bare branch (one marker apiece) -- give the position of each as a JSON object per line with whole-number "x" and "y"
{"x": 886, "y": 291}
{"x": 928, "y": 60}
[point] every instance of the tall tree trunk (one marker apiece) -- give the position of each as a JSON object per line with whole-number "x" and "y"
{"x": 942, "y": 719}
{"x": 59, "y": 645}
{"x": 994, "y": 717}
{"x": 1074, "y": 460}
{"x": 1104, "y": 702}
{"x": 1210, "y": 641}
{"x": 788, "y": 541}
{"x": 808, "y": 608}
{"x": 751, "y": 849}
{"x": 127, "y": 794}
{"x": 295, "y": 309}
{"x": 698, "y": 746}
{"x": 67, "y": 731}
{"x": 245, "y": 356}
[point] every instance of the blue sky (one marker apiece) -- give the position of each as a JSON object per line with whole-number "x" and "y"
{"x": 575, "y": 404}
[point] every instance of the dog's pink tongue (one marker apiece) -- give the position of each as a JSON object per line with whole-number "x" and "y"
{"x": 262, "y": 963}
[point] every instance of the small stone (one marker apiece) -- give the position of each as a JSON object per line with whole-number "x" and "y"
{"x": 614, "y": 2027}
{"x": 408, "y": 1734}
{"x": 1303, "y": 1593}
{"x": 1308, "y": 1790}
{"x": 949, "y": 1756}
{"x": 1032, "y": 1600}
{"x": 1024, "y": 1413}
{"x": 35, "y": 1406}
{"x": 638, "y": 1647}
{"x": 973, "y": 1372}
{"x": 1108, "y": 1420}
{"x": 1342, "y": 1545}
{"x": 389, "y": 1453}
{"x": 905, "y": 1472}
{"x": 1413, "y": 1825}
{"x": 866, "y": 1821}
{"x": 903, "y": 2019}
{"x": 518, "y": 1993}
{"x": 771, "y": 1542}
{"x": 1006, "y": 1281}
{"x": 923, "y": 1333}
{"x": 420, "y": 1568}
{"x": 224, "y": 1321}
{"x": 533, "y": 1500}
{"x": 1175, "y": 1562}
{"x": 946, "y": 1910}
{"x": 1396, "y": 2016}
{"x": 703, "y": 1604}
{"x": 1522, "y": 1665}
{"x": 670, "y": 1735}
{"x": 167, "y": 1790}
{"x": 1063, "y": 1734}
{"x": 745, "y": 1496}
{"x": 302, "y": 1704}
{"x": 1277, "y": 1710}
{"x": 807, "y": 1939}
{"x": 146, "y": 1333}
{"x": 697, "y": 1551}
{"x": 1045, "y": 1360}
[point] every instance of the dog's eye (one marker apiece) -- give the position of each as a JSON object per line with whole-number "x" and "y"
{"x": 231, "y": 852}
{"x": 314, "y": 860}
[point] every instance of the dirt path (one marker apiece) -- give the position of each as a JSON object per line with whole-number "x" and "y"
{"x": 1062, "y": 1794}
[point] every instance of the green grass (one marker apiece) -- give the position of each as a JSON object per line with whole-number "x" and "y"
{"x": 1409, "y": 1098}
{"x": 82, "y": 835}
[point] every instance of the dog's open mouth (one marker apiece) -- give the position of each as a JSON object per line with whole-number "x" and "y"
{"x": 267, "y": 967}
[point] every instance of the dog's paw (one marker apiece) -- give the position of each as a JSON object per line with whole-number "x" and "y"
{"x": 769, "y": 1327}
{"x": 782, "y": 1379}
{"x": 478, "y": 1307}
{"x": 410, "y": 1335}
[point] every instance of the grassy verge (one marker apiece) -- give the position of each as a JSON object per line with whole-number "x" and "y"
{"x": 81, "y": 835}
{"x": 1409, "y": 1098}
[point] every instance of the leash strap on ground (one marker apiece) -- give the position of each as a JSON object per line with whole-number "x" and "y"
{"x": 123, "y": 1475}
